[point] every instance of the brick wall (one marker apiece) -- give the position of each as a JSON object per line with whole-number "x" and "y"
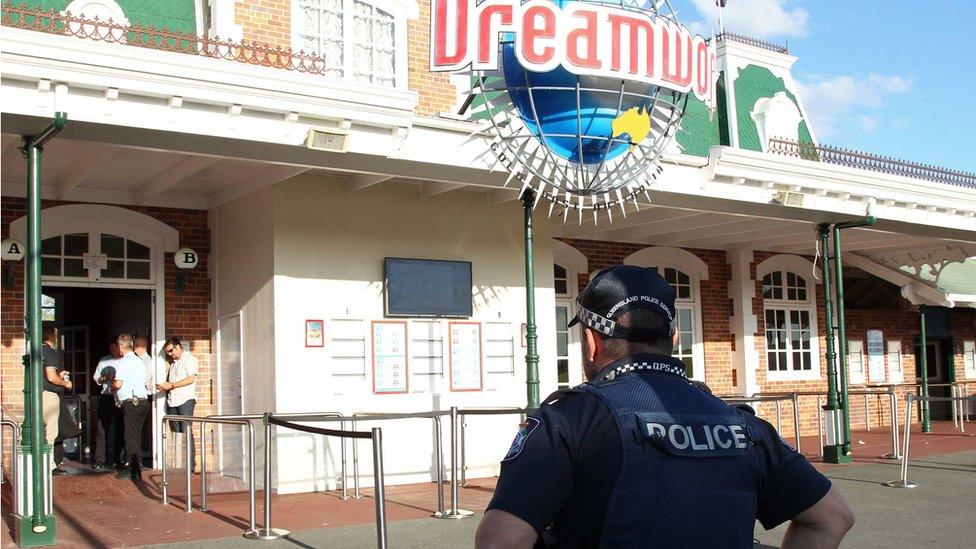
{"x": 265, "y": 21}
{"x": 187, "y": 313}
{"x": 436, "y": 92}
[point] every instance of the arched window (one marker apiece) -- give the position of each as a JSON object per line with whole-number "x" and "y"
{"x": 362, "y": 41}
{"x": 789, "y": 318}
{"x": 684, "y": 271}
{"x": 95, "y": 256}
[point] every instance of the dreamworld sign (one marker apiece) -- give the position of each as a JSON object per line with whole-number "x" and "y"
{"x": 584, "y": 38}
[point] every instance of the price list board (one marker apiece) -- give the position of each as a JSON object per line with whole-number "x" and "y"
{"x": 390, "y": 357}
{"x": 465, "y": 356}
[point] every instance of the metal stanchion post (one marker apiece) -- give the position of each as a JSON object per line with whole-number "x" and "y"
{"x": 796, "y": 421}
{"x": 187, "y": 433}
{"x": 893, "y": 410}
{"x": 342, "y": 451}
{"x": 252, "y": 519}
{"x": 955, "y": 416}
{"x": 779, "y": 422}
{"x": 267, "y": 533}
{"x": 455, "y": 513}
{"x": 867, "y": 420}
{"x": 464, "y": 463}
{"x": 162, "y": 457}
{"x": 355, "y": 464}
{"x": 439, "y": 466}
{"x": 203, "y": 466}
{"x": 903, "y": 482}
{"x": 379, "y": 490}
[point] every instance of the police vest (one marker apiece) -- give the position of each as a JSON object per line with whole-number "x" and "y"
{"x": 688, "y": 477}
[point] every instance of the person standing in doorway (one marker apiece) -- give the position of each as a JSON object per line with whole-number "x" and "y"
{"x": 110, "y": 438}
{"x": 130, "y": 393}
{"x": 181, "y": 388}
{"x": 141, "y": 349}
{"x": 54, "y": 387}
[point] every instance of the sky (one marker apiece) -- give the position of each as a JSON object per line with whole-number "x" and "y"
{"x": 894, "y": 78}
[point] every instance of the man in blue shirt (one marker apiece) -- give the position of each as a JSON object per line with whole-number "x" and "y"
{"x": 110, "y": 430}
{"x": 640, "y": 457}
{"x": 131, "y": 395}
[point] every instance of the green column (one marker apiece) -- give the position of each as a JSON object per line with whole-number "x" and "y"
{"x": 531, "y": 351}
{"x": 842, "y": 341}
{"x": 38, "y": 529}
{"x": 833, "y": 450}
{"x": 924, "y": 370}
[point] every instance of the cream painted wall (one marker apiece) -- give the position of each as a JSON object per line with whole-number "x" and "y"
{"x": 329, "y": 247}
{"x": 243, "y": 238}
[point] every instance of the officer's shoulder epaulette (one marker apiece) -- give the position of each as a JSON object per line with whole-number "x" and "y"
{"x": 745, "y": 408}
{"x": 560, "y": 394}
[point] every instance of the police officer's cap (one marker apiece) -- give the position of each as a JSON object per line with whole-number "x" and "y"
{"x": 616, "y": 290}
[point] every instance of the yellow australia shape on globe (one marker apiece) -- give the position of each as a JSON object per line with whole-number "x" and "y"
{"x": 633, "y": 122}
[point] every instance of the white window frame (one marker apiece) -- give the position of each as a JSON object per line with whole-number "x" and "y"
{"x": 855, "y": 350}
{"x": 95, "y": 249}
{"x": 803, "y": 269}
{"x": 575, "y": 263}
{"x": 969, "y": 359}
{"x": 896, "y": 364}
{"x": 401, "y": 10}
{"x": 663, "y": 257}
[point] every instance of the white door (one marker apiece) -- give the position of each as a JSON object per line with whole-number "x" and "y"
{"x": 231, "y": 437}
{"x": 569, "y": 369}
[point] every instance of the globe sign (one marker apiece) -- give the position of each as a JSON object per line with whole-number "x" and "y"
{"x": 582, "y": 97}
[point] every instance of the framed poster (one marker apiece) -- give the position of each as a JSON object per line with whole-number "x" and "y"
{"x": 390, "y": 357}
{"x": 314, "y": 333}
{"x": 465, "y": 355}
{"x": 876, "y": 356}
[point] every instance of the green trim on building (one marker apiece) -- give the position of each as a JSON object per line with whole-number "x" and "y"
{"x": 699, "y": 128}
{"x": 175, "y": 15}
{"x": 755, "y": 83}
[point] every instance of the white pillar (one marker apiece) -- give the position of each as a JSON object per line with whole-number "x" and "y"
{"x": 743, "y": 324}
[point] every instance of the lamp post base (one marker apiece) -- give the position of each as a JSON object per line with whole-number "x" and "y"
{"x": 27, "y": 534}
{"x": 835, "y": 454}
{"x": 458, "y": 514}
{"x": 266, "y": 535}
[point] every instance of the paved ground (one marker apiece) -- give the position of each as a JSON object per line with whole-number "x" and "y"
{"x": 101, "y": 511}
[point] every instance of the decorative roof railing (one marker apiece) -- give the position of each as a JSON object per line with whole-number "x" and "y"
{"x": 871, "y": 162}
{"x": 749, "y": 41}
{"x": 252, "y": 53}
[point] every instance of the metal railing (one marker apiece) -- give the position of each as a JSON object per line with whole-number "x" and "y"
{"x": 772, "y": 397}
{"x": 960, "y": 413}
{"x": 480, "y": 412}
{"x": 379, "y": 481}
{"x": 109, "y": 31}
{"x": 749, "y": 41}
{"x": 871, "y": 162}
{"x": 188, "y": 432}
{"x": 14, "y": 461}
{"x": 903, "y": 481}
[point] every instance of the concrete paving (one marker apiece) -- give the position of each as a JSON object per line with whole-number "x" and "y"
{"x": 938, "y": 513}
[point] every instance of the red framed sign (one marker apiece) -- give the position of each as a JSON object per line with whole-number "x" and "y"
{"x": 390, "y": 373}
{"x": 464, "y": 348}
{"x": 314, "y": 333}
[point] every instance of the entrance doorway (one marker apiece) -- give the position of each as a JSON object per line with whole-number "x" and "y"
{"x": 87, "y": 319}
{"x": 938, "y": 375}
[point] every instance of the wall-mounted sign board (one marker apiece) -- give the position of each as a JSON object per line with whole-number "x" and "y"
{"x": 465, "y": 356}
{"x": 876, "y": 356}
{"x": 390, "y": 357}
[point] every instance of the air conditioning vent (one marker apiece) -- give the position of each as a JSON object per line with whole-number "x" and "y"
{"x": 327, "y": 139}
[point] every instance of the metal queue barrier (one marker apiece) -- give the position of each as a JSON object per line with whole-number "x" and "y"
{"x": 462, "y": 415}
{"x": 903, "y": 481}
{"x": 188, "y": 432}
{"x": 14, "y": 461}
{"x": 773, "y": 397}
{"x": 379, "y": 481}
{"x": 893, "y": 411}
{"x": 961, "y": 413}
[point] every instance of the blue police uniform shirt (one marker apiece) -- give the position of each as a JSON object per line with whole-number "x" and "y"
{"x": 132, "y": 372}
{"x": 567, "y": 457}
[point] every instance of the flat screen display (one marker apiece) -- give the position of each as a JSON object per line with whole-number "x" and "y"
{"x": 428, "y": 287}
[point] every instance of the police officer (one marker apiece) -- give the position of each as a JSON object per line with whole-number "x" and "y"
{"x": 640, "y": 457}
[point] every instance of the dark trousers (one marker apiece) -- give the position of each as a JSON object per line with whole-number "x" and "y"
{"x": 185, "y": 409}
{"x": 134, "y": 416}
{"x": 111, "y": 439}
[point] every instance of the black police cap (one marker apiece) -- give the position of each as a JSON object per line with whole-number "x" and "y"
{"x": 616, "y": 290}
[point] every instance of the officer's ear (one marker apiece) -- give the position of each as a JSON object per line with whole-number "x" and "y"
{"x": 593, "y": 344}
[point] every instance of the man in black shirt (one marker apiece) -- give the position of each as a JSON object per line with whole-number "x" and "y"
{"x": 640, "y": 457}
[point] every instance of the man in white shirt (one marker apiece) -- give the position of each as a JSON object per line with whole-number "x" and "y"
{"x": 181, "y": 388}
{"x": 110, "y": 439}
{"x": 130, "y": 392}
